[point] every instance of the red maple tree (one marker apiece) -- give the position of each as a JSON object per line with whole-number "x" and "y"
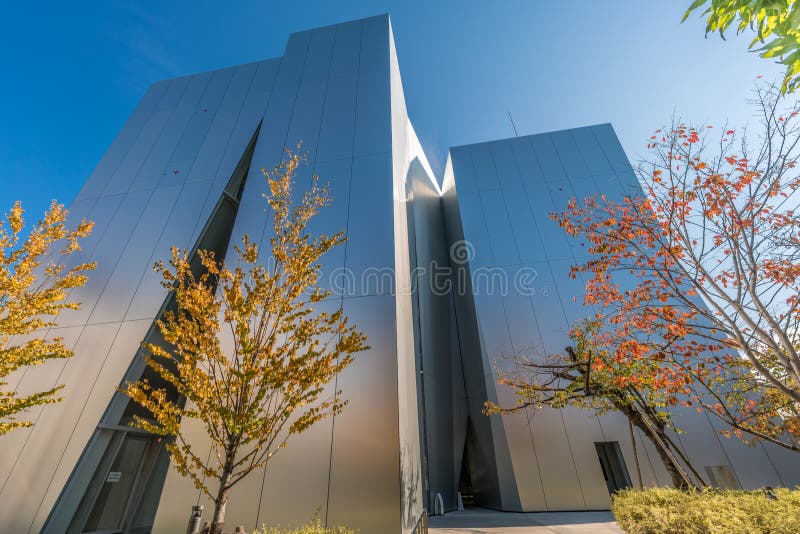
{"x": 697, "y": 282}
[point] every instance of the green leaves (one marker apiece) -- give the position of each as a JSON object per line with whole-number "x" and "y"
{"x": 695, "y": 5}
{"x": 775, "y": 19}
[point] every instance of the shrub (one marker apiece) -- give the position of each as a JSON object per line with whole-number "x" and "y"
{"x": 710, "y": 511}
{"x": 314, "y": 526}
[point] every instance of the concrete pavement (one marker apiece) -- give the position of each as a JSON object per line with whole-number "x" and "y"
{"x": 482, "y": 521}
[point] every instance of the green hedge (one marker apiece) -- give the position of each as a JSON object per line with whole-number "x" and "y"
{"x": 711, "y": 511}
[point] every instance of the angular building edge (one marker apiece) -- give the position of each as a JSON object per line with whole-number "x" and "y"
{"x": 185, "y": 170}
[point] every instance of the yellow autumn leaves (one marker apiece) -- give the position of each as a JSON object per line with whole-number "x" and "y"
{"x": 35, "y": 280}
{"x": 245, "y": 347}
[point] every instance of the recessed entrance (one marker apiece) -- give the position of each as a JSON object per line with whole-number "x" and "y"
{"x": 109, "y": 507}
{"x": 115, "y": 492}
{"x": 613, "y": 465}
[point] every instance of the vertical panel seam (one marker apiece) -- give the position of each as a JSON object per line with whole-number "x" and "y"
{"x": 344, "y": 261}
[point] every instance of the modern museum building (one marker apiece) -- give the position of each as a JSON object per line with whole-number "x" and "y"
{"x": 185, "y": 171}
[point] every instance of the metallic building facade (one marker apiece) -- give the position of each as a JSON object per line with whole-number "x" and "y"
{"x": 497, "y": 198}
{"x": 185, "y": 171}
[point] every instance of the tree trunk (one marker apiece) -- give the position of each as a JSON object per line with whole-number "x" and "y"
{"x": 679, "y": 477}
{"x": 675, "y": 471}
{"x": 677, "y": 449}
{"x": 635, "y": 454}
{"x": 221, "y": 502}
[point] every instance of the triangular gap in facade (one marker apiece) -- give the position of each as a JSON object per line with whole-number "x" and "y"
{"x": 116, "y": 484}
{"x": 465, "y": 476}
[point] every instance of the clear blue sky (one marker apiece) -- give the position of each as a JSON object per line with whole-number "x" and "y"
{"x": 73, "y": 71}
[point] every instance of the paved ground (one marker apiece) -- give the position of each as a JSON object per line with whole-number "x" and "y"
{"x": 482, "y": 521}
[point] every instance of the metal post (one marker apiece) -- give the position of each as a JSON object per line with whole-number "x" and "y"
{"x": 438, "y": 505}
{"x": 635, "y": 453}
{"x": 194, "y": 520}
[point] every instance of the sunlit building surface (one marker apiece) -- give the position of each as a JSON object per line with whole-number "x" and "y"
{"x": 446, "y": 281}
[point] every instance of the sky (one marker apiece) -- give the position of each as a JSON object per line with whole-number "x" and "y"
{"x": 72, "y": 72}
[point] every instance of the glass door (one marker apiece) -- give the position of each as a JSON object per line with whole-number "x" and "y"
{"x": 110, "y": 508}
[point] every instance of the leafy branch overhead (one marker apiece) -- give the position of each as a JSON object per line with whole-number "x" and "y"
{"x": 776, "y": 24}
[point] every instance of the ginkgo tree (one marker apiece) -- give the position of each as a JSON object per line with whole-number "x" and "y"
{"x": 701, "y": 275}
{"x": 776, "y": 24}
{"x": 34, "y": 285}
{"x": 270, "y": 380}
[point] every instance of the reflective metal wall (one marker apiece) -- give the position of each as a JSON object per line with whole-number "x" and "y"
{"x": 334, "y": 91}
{"x": 498, "y": 196}
{"x": 413, "y": 428}
{"x": 155, "y": 187}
